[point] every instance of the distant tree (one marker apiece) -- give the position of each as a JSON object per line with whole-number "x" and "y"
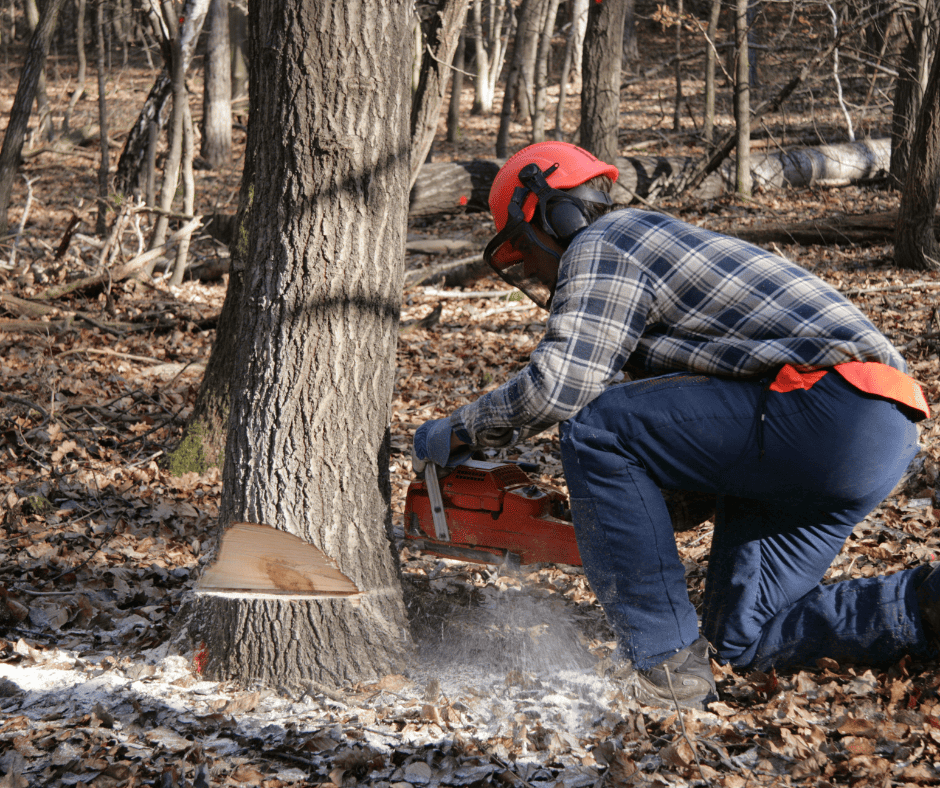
{"x": 45, "y": 126}
{"x": 711, "y": 63}
{"x": 216, "y": 145}
{"x": 490, "y": 36}
{"x": 915, "y": 244}
{"x": 540, "y": 97}
{"x": 600, "y": 73}
{"x": 440, "y": 36}
{"x": 910, "y": 84}
{"x": 742, "y": 99}
{"x": 456, "y": 90}
{"x": 23, "y": 103}
{"x": 155, "y": 111}
{"x": 320, "y": 264}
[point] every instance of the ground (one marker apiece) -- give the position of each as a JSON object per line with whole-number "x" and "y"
{"x": 511, "y": 682}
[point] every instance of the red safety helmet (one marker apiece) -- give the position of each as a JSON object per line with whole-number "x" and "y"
{"x": 558, "y": 165}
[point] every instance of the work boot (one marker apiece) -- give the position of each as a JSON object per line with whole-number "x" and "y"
{"x": 928, "y": 597}
{"x": 686, "y": 677}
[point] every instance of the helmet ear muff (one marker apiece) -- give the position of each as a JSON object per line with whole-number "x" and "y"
{"x": 561, "y": 213}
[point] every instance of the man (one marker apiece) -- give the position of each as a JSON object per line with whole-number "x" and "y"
{"x": 769, "y": 390}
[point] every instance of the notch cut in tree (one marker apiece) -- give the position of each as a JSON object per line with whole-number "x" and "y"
{"x": 261, "y": 558}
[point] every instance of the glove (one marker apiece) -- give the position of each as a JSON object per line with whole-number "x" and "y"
{"x": 432, "y": 444}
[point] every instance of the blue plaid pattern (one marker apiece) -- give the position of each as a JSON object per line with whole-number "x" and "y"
{"x": 667, "y": 296}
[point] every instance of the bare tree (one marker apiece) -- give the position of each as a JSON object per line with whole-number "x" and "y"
{"x": 571, "y": 66}
{"x": 711, "y": 63}
{"x": 541, "y": 71}
{"x": 45, "y": 126}
{"x": 23, "y": 103}
{"x": 216, "y": 145}
{"x": 104, "y": 165}
{"x": 910, "y": 85}
{"x": 308, "y": 450}
{"x": 456, "y": 90}
{"x": 915, "y": 245}
{"x": 441, "y": 37}
{"x": 155, "y": 109}
{"x": 82, "y": 64}
{"x": 600, "y": 69}
{"x": 490, "y": 34}
{"x": 742, "y": 100}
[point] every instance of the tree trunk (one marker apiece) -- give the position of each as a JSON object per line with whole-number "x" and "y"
{"x": 171, "y": 167}
{"x": 456, "y": 90}
{"x": 541, "y": 72}
{"x": 742, "y": 100}
{"x": 483, "y": 96}
{"x": 105, "y": 164}
{"x": 82, "y": 64}
{"x": 22, "y": 105}
{"x": 322, "y": 238}
{"x": 45, "y": 130}
{"x": 127, "y": 174}
{"x": 711, "y": 62}
{"x": 216, "y": 145}
{"x": 677, "y": 105}
{"x": 909, "y": 89}
{"x": 510, "y": 91}
{"x": 600, "y": 69}
{"x": 631, "y": 49}
{"x": 571, "y": 66}
{"x": 443, "y": 34}
{"x": 239, "y": 36}
{"x": 915, "y": 244}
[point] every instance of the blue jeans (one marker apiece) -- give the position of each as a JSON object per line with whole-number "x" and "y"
{"x": 793, "y": 474}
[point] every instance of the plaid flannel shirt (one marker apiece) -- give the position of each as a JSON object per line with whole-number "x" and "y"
{"x": 666, "y": 296}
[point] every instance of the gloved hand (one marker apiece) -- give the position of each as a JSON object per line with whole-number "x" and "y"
{"x": 432, "y": 444}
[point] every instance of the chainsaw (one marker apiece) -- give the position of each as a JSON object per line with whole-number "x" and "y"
{"x": 493, "y": 512}
{"x": 489, "y": 512}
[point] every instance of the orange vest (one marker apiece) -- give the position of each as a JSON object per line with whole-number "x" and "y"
{"x": 870, "y": 377}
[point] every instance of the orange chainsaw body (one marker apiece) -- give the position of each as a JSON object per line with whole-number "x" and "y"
{"x": 494, "y": 512}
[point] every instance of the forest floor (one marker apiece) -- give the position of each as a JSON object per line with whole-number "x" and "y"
{"x": 511, "y": 682}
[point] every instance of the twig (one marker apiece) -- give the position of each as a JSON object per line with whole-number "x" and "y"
{"x": 29, "y": 404}
{"x": 685, "y": 733}
{"x": 19, "y": 232}
{"x": 506, "y": 295}
{"x": 108, "y": 352}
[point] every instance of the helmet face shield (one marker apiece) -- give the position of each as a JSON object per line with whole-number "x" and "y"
{"x": 518, "y": 231}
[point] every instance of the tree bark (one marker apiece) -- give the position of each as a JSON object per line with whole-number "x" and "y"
{"x": 22, "y": 105}
{"x": 216, "y": 145}
{"x": 443, "y": 35}
{"x": 600, "y": 70}
{"x": 320, "y": 247}
{"x": 915, "y": 244}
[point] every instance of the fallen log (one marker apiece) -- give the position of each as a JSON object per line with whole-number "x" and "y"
{"x": 449, "y": 187}
{"x": 860, "y": 229}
